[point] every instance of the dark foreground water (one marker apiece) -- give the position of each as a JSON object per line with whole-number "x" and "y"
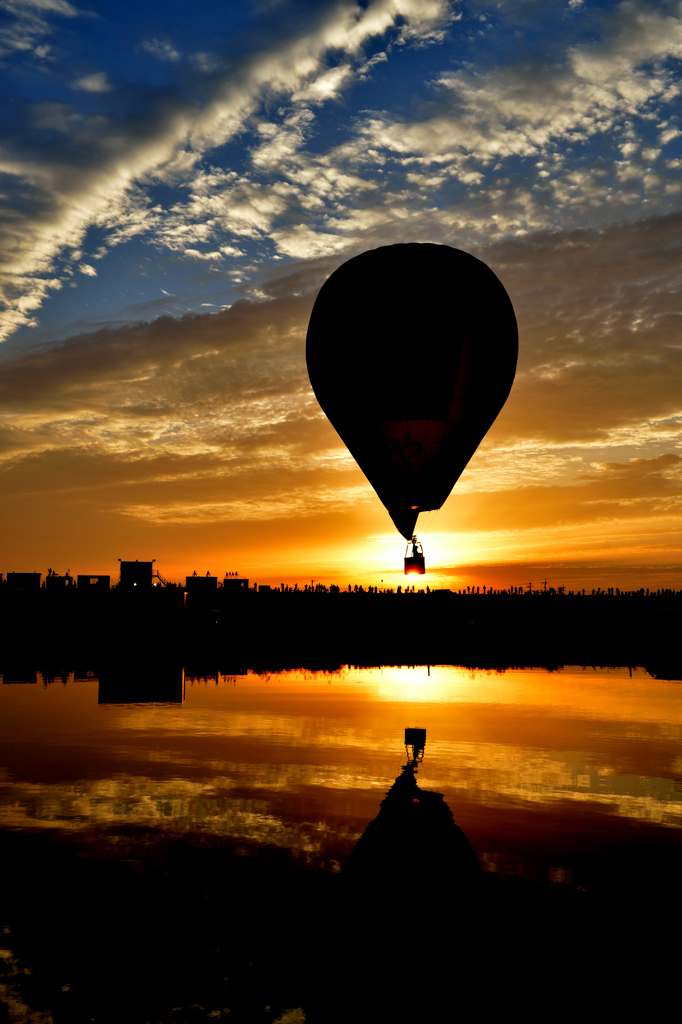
{"x": 180, "y": 856}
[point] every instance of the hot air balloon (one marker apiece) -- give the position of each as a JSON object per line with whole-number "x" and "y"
{"x": 411, "y": 353}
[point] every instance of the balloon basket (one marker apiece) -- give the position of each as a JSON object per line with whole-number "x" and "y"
{"x": 415, "y": 564}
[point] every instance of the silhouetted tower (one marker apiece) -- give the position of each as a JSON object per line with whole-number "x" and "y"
{"x": 235, "y": 584}
{"x": 23, "y": 580}
{"x": 136, "y": 575}
{"x": 201, "y": 584}
{"x": 55, "y": 582}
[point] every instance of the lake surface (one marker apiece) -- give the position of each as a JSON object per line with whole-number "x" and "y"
{"x": 302, "y": 760}
{"x": 569, "y": 779}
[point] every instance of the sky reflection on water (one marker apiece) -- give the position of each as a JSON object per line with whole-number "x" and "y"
{"x": 531, "y": 762}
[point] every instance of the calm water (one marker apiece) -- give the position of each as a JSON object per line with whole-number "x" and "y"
{"x": 540, "y": 769}
{"x": 179, "y": 857}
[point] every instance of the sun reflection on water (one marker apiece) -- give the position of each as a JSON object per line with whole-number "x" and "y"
{"x": 303, "y": 758}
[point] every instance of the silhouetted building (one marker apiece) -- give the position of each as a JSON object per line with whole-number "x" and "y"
{"x": 136, "y": 575}
{"x": 235, "y": 583}
{"x": 55, "y": 582}
{"x": 204, "y": 585}
{"x": 93, "y": 582}
{"x": 24, "y": 580}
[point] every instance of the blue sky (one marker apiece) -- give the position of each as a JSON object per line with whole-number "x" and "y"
{"x": 177, "y": 172}
{"x": 288, "y": 131}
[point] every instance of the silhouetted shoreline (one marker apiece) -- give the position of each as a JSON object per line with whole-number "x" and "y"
{"x": 274, "y": 630}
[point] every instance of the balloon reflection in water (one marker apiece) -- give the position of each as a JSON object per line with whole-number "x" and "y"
{"x": 414, "y": 840}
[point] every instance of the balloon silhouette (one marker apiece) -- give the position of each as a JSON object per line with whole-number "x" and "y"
{"x": 411, "y": 353}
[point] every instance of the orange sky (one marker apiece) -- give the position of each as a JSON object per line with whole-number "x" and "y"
{"x": 199, "y": 443}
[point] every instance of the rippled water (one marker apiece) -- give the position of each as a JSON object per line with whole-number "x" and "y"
{"x": 545, "y": 772}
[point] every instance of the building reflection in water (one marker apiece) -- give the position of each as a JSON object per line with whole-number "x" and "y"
{"x": 14, "y": 674}
{"x": 139, "y": 682}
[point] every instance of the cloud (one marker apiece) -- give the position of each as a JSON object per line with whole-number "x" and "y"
{"x": 304, "y": 242}
{"x": 444, "y": 174}
{"x": 161, "y": 48}
{"x": 366, "y": 67}
{"x": 200, "y": 420}
{"x": 301, "y": 503}
{"x": 531, "y": 110}
{"x": 613, "y": 497}
{"x": 97, "y": 82}
{"x": 231, "y": 250}
{"x": 599, "y": 372}
{"x": 668, "y": 135}
{"x": 281, "y": 142}
{"x": 195, "y": 254}
{"x": 167, "y": 138}
{"x": 665, "y": 469}
{"x": 598, "y": 311}
{"x": 95, "y": 361}
{"x": 27, "y": 23}
{"x": 598, "y": 317}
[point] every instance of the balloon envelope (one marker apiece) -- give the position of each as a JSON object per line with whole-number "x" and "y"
{"x": 411, "y": 353}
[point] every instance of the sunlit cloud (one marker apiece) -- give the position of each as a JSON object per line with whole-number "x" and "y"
{"x": 303, "y": 503}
